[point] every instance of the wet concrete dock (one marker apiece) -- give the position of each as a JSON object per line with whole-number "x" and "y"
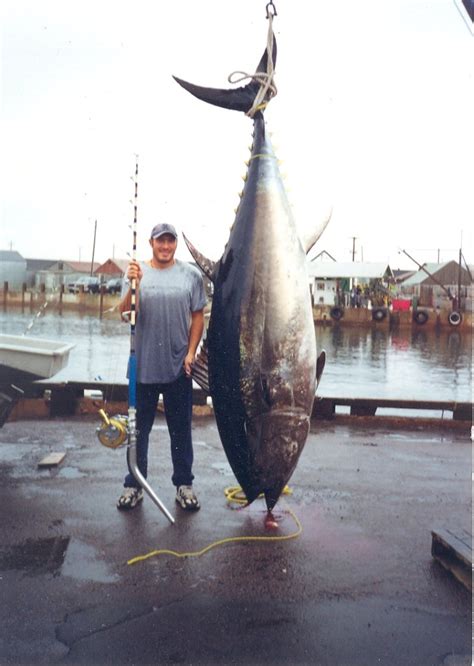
{"x": 357, "y": 587}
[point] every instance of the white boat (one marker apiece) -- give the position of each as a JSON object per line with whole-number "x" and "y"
{"x": 25, "y": 359}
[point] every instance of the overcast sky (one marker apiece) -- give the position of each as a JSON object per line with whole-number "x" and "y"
{"x": 373, "y": 117}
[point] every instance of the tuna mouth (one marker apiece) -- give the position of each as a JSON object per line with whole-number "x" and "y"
{"x": 284, "y": 412}
{"x": 278, "y": 420}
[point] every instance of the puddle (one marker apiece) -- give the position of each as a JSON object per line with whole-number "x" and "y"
{"x": 223, "y": 467}
{"x": 70, "y": 473}
{"x": 58, "y": 556}
{"x": 14, "y": 453}
{"x": 201, "y": 443}
{"x": 35, "y": 556}
{"x": 82, "y": 563}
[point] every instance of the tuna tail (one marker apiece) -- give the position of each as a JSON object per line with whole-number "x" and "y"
{"x": 237, "y": 99}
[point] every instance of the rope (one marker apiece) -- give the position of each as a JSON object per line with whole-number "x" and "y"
{"x": 36, "y": 317}
{"x": 235, "y": 495}
{"x": 267, "y": 88}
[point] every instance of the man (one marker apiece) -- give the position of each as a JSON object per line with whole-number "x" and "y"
{"x": 169, "y": 326}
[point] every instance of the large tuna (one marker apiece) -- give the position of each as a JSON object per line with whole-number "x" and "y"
{"x": 261, "y": 347}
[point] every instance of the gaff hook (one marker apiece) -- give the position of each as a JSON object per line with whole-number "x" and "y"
{"x": 273, "y": 12}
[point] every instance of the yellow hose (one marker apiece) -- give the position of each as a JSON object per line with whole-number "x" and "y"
{"x": 233, "y": 494}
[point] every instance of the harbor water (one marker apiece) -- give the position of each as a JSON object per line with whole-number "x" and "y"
{"x": 362, "y": 362}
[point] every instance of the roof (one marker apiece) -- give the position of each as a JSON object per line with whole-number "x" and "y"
{"x": 420, "y": 276}
{"x": 401, "y": 274}
{"x": 82, "y": 266}
{"x": 11, "y": 255}
{"x": 39, "y": 264}
{"x": 114, "y": 265}
{"x": 336, "y": 269}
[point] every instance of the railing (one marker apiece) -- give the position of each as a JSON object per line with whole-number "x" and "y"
{"x": 65, "y": 398}
{"x": 325, "y": 408}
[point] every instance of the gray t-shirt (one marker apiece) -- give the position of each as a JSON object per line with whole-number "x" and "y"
{"x": 166, "y": 299}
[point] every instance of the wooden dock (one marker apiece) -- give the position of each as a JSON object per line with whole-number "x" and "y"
{"x": 45, "y": 399}
{"x": 325, "y": 408}
{"x": 452, "y": 548}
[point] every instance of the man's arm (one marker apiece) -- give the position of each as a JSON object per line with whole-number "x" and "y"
{"x": 195, "y": 335}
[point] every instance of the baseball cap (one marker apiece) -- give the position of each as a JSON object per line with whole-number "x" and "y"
{"x": 163, "y": 228}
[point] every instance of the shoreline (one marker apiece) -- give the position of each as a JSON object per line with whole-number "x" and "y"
{"x": 106, "y": 306}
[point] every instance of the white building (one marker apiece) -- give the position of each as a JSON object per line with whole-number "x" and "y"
{"x": 12, "y": 269}
{"x": 331, "y": 282}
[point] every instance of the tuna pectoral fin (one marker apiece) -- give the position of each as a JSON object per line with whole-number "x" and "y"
{"x": 206, "y": 265}
{"x": 199, "y": 371}
{"x": 238, "y": 99}
{"x": 320, "y": 363}
{"x": 312, "y": 236}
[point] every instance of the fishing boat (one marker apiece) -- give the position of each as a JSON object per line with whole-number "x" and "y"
{"x": 23, "y": 360}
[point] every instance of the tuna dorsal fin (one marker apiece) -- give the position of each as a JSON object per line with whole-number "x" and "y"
{"x": 206, "y": 265}
{"x": 312, "y": 236}
{"x": 199, "y": 370}
{"x": 320, "y": 363}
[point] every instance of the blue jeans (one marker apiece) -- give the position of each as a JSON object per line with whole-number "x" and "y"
{"x": 178, "y": 404}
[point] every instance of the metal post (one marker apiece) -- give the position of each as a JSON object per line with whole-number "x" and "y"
{"x": 459, "y": 281}
{"x": 61, "y": 294}
{"x": 93, "y": 248}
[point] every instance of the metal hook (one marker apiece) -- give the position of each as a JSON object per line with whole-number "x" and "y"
{"x": 274, "y": 11}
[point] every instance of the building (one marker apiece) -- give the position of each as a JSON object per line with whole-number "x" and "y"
{"x": 34, "y": 267}
{"x": 339, "y": 283}
{"x": 113, "y": 268}
{"x": 59, "y": 272}
{"x": 436, "y": 285}
{"x": 12, "y": 269}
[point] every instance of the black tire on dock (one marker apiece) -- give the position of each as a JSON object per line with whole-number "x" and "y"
{"x": 336, "y": 313}
{"x": 421, "y": 317}
{"x": 454, "y": 318}
{"x": 379, "y": 314}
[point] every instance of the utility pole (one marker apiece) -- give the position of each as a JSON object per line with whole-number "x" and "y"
{"x": 459, "y": 280}
{"x": 353, "y": 247}
{"x": 93, "y": 247}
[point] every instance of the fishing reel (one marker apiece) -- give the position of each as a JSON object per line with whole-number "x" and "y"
{"x": 113, "y": 431}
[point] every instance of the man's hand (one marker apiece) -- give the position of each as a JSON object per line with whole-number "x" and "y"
{"x": 188, "y": 364}
{"x": 195, "y": 334}
{"x": 134, "y": 271}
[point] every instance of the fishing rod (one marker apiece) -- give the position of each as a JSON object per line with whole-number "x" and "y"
{"x": 116, "y": 430}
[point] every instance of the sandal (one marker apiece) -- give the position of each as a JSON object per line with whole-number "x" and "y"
{"x": 186, "y": 498}
{"x": 129, "y": 498}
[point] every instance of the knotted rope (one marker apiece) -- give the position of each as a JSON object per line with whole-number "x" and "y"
{"x": 267, "y": 88}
